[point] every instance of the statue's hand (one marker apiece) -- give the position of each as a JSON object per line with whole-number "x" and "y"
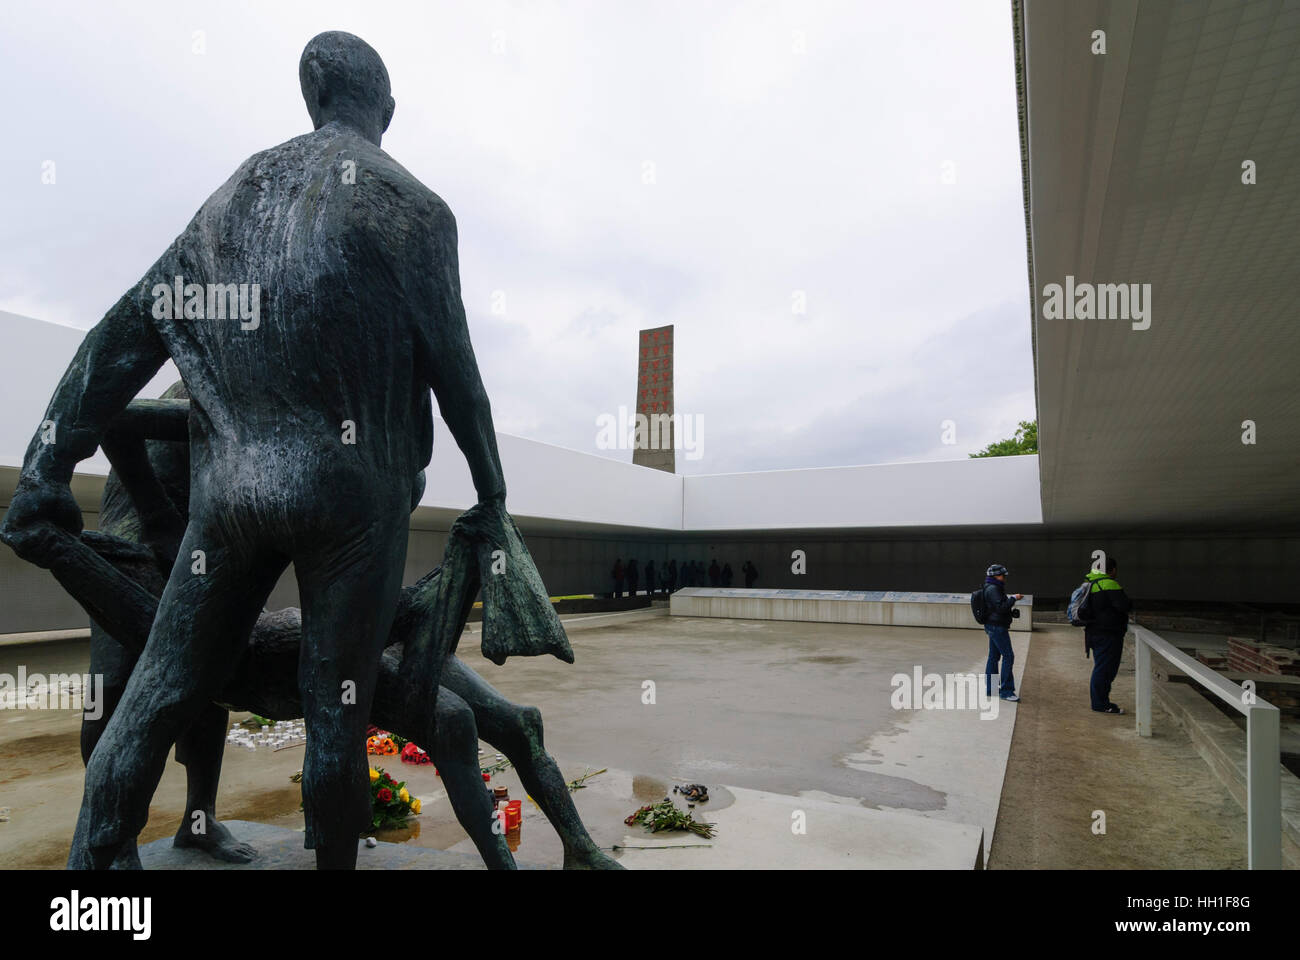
{"x": 34, "y": 510}
{"x": 485, "y": 522}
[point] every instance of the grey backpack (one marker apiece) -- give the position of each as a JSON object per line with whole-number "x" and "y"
{"x": 1079, "y": 610}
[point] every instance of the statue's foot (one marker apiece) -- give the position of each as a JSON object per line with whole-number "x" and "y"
{"x": 218, "y": 842}
{"x": 128, "y": 858}
{"x": 84, "y": 857}
{"x": 590, "y": 858}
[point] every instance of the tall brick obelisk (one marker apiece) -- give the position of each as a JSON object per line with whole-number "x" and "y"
{"x": 656, "y": 446}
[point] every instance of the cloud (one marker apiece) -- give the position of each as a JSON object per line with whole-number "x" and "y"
{"x": 611, "y": 167}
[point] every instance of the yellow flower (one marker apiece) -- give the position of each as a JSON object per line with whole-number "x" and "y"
{"x": 415, "y": 805}
{"x": 403, "y": 795}
{"x": 374, "y": 774}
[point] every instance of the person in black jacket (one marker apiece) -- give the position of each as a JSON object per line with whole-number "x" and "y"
{"x": 997, "y": 624}
{"x": 630, "y": 572}
{"x": 751, "y": 573}
{"x": 1103, "y": 634}
{"x": 650, "y": 584}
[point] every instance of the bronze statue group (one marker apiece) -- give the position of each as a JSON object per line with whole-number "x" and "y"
{"x": 299, "y": 439}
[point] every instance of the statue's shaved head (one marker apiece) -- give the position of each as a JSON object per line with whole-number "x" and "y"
{"x": 344, "y": 79}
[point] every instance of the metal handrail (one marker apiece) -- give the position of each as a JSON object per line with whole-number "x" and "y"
{"x": 1263, "y": 743}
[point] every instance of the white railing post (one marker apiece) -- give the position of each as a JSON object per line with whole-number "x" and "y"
{"x": 1263, "y": 743}
{"x": 1263, "y": 788}
{"x": 1143, "y": 683}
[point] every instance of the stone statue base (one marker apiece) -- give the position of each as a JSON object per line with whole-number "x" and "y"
{"x": 279, "y": 848}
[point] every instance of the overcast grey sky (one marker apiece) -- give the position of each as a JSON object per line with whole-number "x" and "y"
{"x": 795, "y": 147}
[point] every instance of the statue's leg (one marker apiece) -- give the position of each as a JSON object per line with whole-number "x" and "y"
{"x": 202, "y": 623}
{"x": 201, "y": 749}
{"x": 349, "y": 595}
{"x": 517, "y": 732}
{"x": 111, "y": 663}
{"x": 455, "y": 751}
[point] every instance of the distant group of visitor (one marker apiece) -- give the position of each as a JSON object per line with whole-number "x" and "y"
{"x": 667, "y": 578}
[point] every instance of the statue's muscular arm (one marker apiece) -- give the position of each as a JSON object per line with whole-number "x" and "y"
{"x": 117, "y": 358}
{"x": 448, "y": 356}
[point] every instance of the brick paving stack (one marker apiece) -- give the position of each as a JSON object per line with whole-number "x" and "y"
{"x": 1213, "y": 659}
{"x": 1250, "y": 656}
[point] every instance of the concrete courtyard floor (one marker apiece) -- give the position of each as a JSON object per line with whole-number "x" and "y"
{"x": 778, "y": 711}
{"x": 1163, "y": 806}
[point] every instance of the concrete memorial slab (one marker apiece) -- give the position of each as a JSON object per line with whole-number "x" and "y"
{"x": 769, "y": 831}
{"x": 883, "y": 607}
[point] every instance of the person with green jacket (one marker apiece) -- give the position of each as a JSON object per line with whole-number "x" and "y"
{"x": 1103, "y": 633}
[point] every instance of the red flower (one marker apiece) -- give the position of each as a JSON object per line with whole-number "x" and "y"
{"x": 385, "y": 795}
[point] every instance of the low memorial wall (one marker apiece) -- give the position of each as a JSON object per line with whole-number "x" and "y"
{"x": 884, "y": 607}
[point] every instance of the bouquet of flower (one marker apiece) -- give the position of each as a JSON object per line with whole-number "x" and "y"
{"x": 390, "y": 802}
{"x": 413, "y": 754}
{"x": 382, "y": 744}
{"x": 664, "y": 815}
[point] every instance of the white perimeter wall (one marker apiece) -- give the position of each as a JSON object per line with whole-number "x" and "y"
{"x": 552, "y": 483}
{"x": 992, "y": 490}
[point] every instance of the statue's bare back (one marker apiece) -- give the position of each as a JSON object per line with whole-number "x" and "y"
{"x": 328, "y": 383}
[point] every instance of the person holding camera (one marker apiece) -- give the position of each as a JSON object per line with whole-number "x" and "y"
{"x": 997, "y": 624}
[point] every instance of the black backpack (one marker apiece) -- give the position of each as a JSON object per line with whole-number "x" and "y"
{"x": 978, "y": 606}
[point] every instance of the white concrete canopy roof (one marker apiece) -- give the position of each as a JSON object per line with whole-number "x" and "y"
{"x": 1134, "y": 165}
